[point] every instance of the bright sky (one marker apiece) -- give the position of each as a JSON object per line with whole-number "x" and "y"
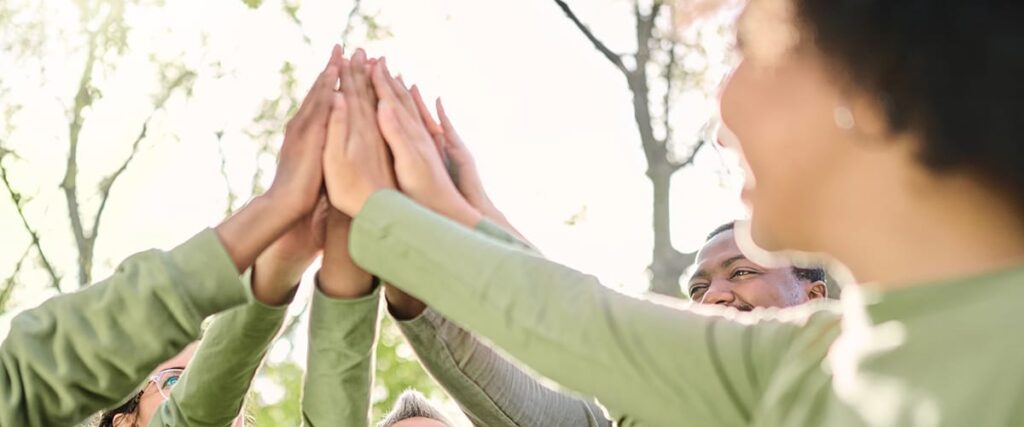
{"x": 548, "y": 118}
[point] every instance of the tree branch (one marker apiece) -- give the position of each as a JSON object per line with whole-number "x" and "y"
{"x": 12, "y": 280}
{"x": 17, "y": 198}
{"x": 615, "y": 59}
{"x": 348, "y": 22}
{"x": 83, "y": 98}
{"x": 108, "y": 183}
{"x": 232, "y": 197}
{"x": 691, "y": 158}
{"x": 667, "y": 101}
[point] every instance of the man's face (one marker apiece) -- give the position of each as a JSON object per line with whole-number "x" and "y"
{"x": 725, "y": 277}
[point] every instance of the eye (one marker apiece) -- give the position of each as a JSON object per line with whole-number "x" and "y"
{"x": 742, "y": 273}
{"x": 697, "y": 291}
{"x": 170, "y": 382}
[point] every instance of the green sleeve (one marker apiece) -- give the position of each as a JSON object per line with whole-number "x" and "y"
{"x": 340, "y": 361}
{"x": 82, "y": 352}
{"x": 658, "y": 364}
{"x": 212, "y": 390}
{"x": 491, "y": 390}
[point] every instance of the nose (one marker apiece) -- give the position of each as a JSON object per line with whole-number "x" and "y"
{"x": 718, "y": 295}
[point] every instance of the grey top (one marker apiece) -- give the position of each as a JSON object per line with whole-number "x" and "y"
{"x": 489, "y": 388}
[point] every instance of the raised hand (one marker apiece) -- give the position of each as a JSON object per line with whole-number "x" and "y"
{"x": 356, "y": 159}
{"x": 298, "y": 180}
{"x": 419, "y": 166}
{"x": 279, "y": 268}
{"x": 460, "y": 162}
{"x": 299, "y": 176}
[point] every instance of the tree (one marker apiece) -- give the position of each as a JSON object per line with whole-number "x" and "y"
{"x": 656, "y": 75}
{"x": 102, "y": 24}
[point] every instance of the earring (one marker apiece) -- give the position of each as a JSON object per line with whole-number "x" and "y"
{"x": 843, "y": 117}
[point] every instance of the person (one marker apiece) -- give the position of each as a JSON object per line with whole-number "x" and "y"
{"x": 413, "y": 410}
{"x": 493, "y": 391}
{"x": 78, "y": 353}
{"x": 207, "y": 386}
{"x": 920, "y": 199}
{"x": 207, "y": 383}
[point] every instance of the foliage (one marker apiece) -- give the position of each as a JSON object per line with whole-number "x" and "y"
{"x": 396, "y": 370}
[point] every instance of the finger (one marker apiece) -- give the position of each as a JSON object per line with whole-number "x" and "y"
{"x": 337, "y": 125}
{"x": 359, "y": 70}
{"x": 337, "y": 53}
{"x": 317, "y": 101}
{"x": 380, "y": 81}
{"x": 451, "y": 136}
{"x": 404, "y": 96}
{"x": 315, "y": 96}
{"x": 428, "y": 118}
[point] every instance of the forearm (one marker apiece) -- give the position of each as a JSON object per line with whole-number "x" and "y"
{"x": 253, "y": 228}
{"x": 339, "y": 368}
{"x": 563, "y": 323}
{"x": 81, "y": 352}
{"x": 491, "y": 390}
{"x": 213, "y": 389}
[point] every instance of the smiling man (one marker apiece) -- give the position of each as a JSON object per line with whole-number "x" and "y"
{"x": 724, "y": 276}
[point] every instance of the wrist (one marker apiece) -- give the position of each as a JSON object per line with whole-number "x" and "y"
{"x": 278, "y": 206}
{"x": 341, "y": 283}
{"x": 274, "y": 283}
{"x": 401, "y": 305}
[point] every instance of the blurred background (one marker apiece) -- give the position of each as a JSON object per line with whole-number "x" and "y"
{"x": 127, "y": 125}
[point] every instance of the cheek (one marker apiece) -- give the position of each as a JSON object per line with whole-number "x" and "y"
{"x": 781, "y": 119}
{"x": 760, "y": 293}
{"x": 148, "y": 406}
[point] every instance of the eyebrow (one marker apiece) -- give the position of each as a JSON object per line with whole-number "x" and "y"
{"x": 732, "y": 260}
{"x": 703, "y": 274}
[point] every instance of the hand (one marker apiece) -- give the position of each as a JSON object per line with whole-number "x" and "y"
{"x": 419, "y": 167}
{"x": 339, "y": 276}
{"x": 356, "y": 159}
{"x": 279, "y": 268}
{"x": 299, "y": 176}
{"x": 247, "y": 233}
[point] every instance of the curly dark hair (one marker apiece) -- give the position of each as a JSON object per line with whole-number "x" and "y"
{"x": 948, "y": 71}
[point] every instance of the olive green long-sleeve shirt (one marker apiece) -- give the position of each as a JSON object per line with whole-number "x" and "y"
{"x": 212, "y": 391}
{"x": 339, "y": 371}
{"x": 82, "y": 352}
{"x": 938, "y": 354}
{"x": 490, "y": 389}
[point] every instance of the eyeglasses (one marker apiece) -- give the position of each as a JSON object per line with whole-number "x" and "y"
{"x": 165, "y": 380}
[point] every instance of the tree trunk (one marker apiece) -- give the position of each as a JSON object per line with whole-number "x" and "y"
{"x": 667, "y": 264}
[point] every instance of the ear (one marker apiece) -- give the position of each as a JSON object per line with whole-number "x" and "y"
{"x": 816, "y": 290}
{"x": 870, "y": 115}
{"x": 122, "y": 420}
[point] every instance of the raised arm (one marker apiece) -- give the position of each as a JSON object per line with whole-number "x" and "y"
{"x": 78, "y": 353}
{"x": 344, "y": 318}
{"x": 645, "y": 362}
{"x": 213, "y": 389}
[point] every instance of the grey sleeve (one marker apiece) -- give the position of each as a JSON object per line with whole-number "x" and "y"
{"x": 490, "y": 389}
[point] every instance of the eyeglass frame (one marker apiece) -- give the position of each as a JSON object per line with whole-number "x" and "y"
{"x": 155, "y": 380}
